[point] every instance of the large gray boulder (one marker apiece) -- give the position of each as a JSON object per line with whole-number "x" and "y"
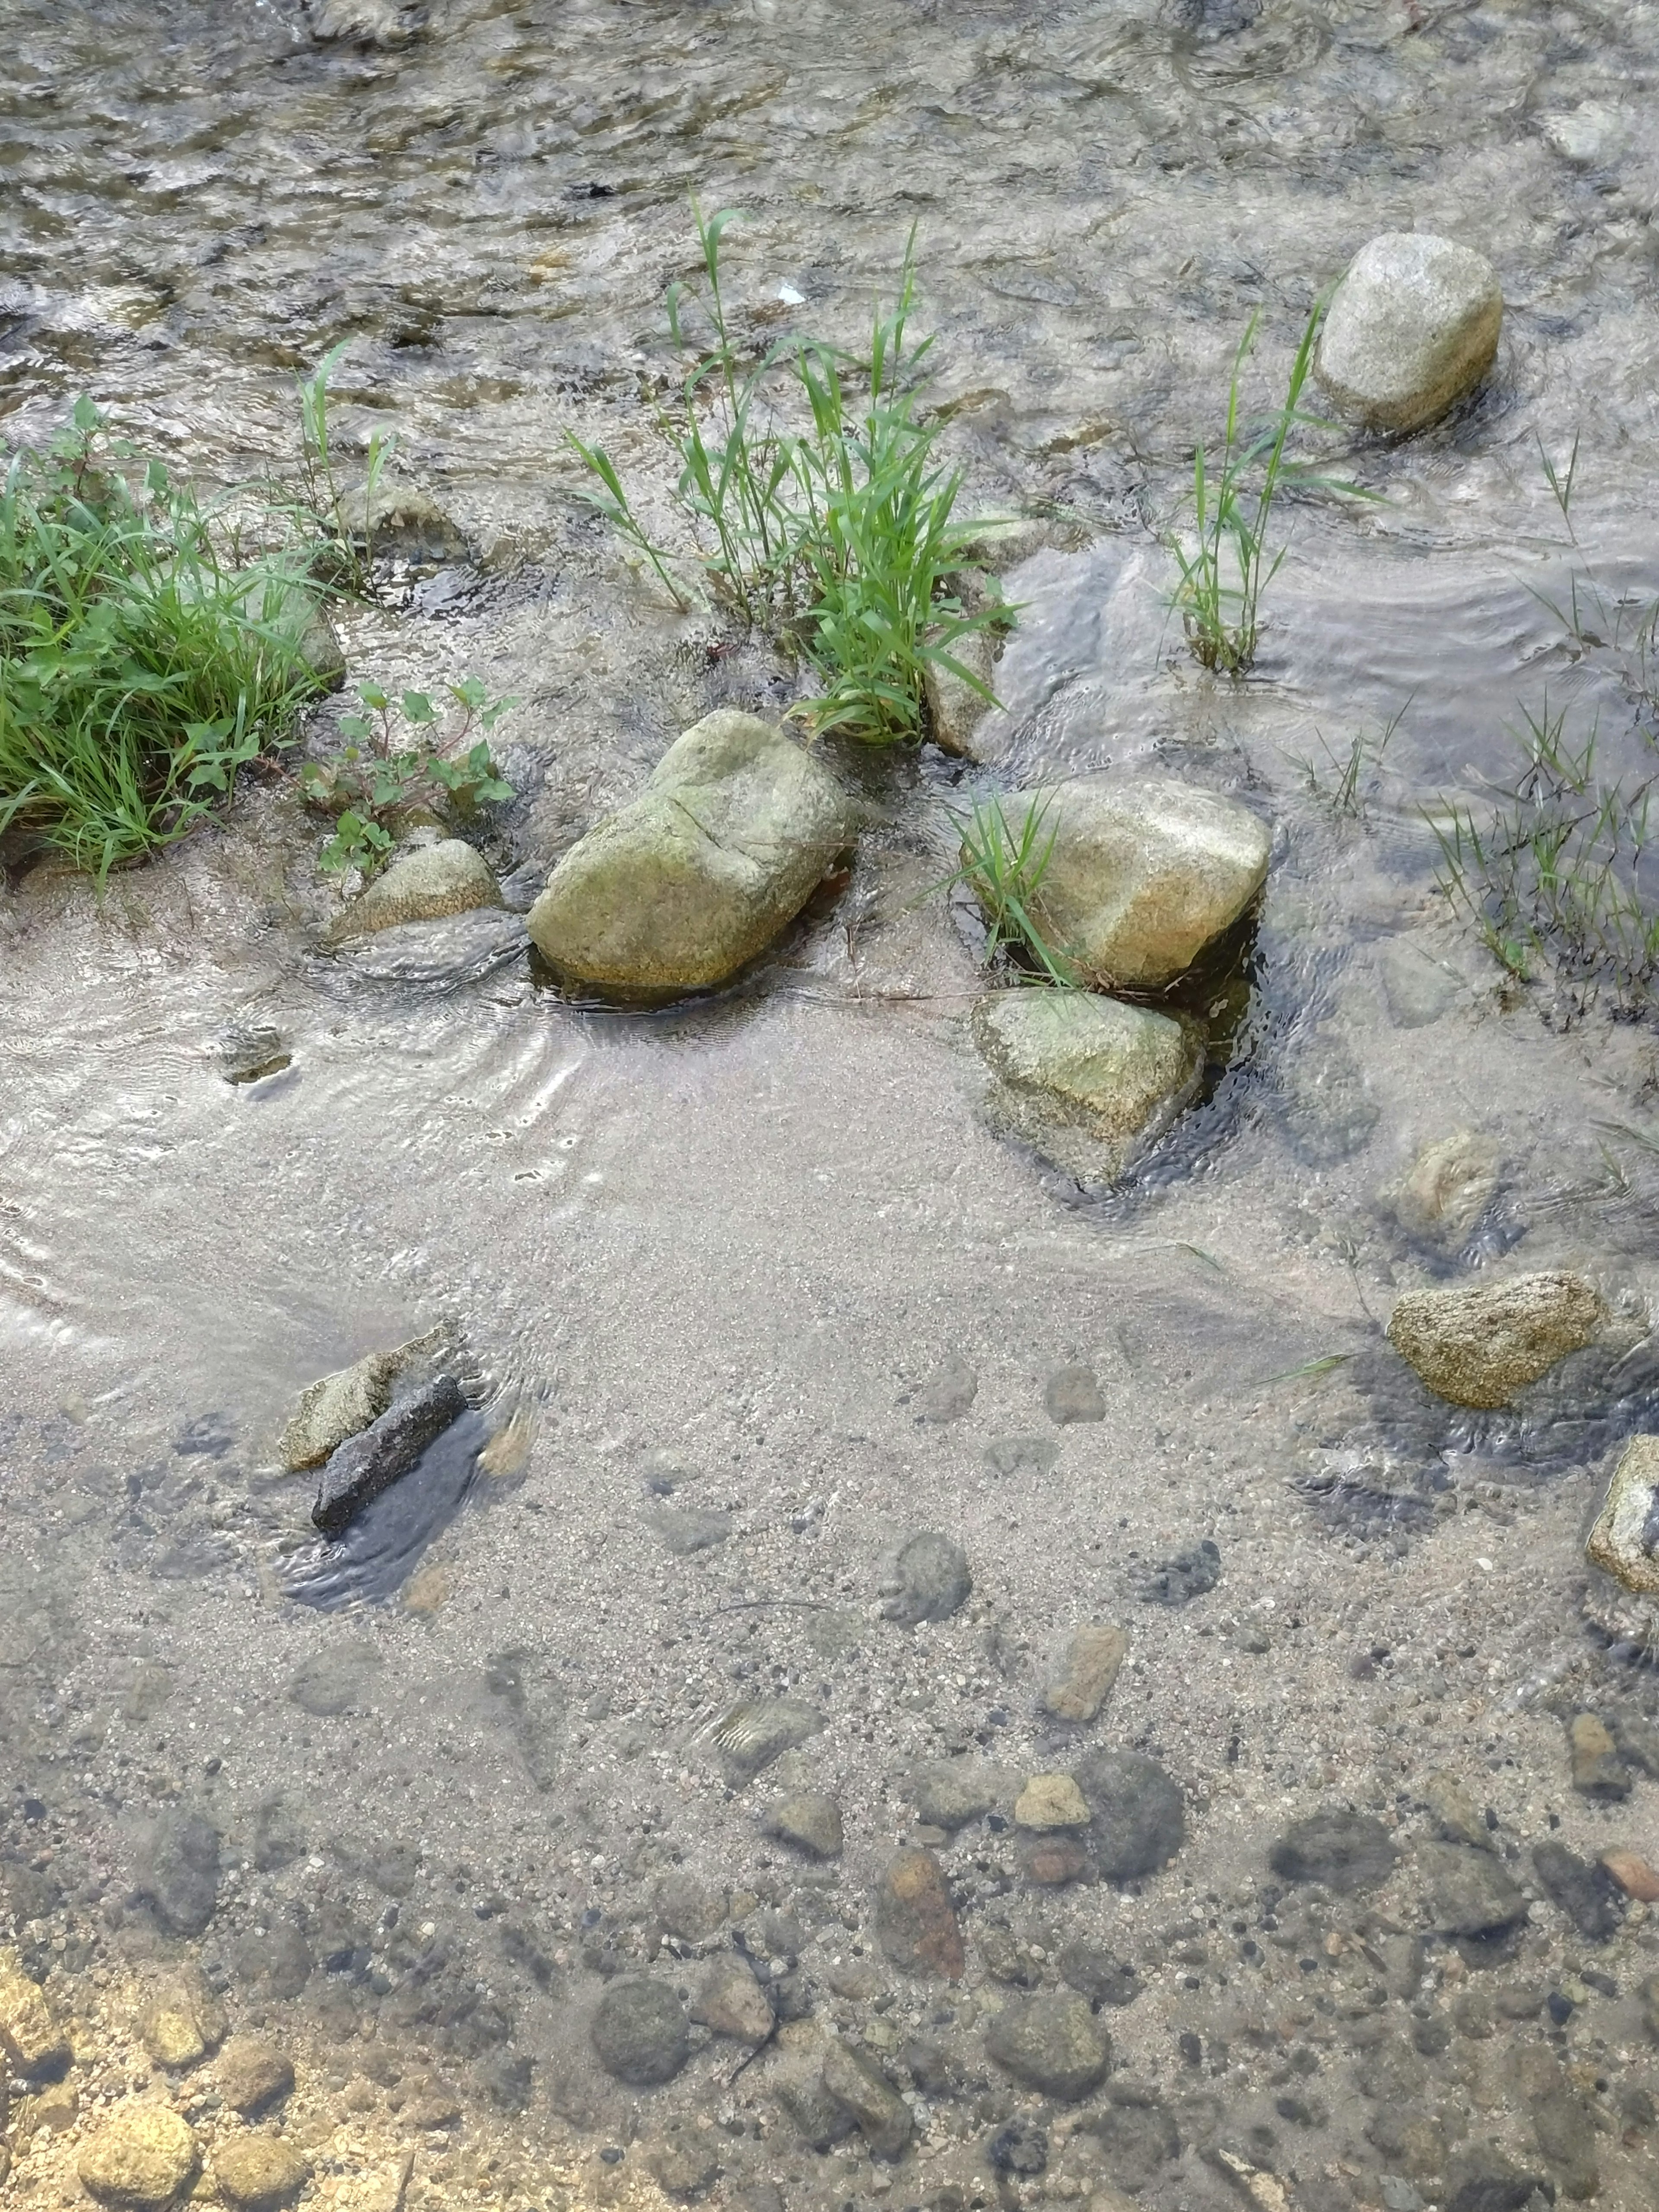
{"x": 725, "y": 844}
{"x": 1142, "y": 876}
{"x": 1412, "y": 326}
{"x": 1484, "y": 1345}
{"x": 1090, "y": 1081}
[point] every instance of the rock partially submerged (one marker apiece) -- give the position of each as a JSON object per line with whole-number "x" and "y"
{"x": 366, "y": 1465}
{"x": 428, "y": 885}
{"x": 1071, "y": 1066}
{"x": 686, "y": 886}
{"x": 1482, "y": 1346}
{"x": 1142, "y": 878}
{"x": 343, "y": 1404}
{"x": 1412, "y": 326}
{"x": 1624, "y": 1540}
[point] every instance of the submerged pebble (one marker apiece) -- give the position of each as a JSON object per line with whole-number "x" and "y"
{"x": 1480, "y": 1347}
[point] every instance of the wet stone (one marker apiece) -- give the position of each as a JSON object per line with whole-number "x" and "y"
{"x": 810, "y": 1822}
{"x": 683, "y": 2162}
{"x": 1051, "y": 1801}
{"x": 30, "y": 2036}
{"x": 142, "y": 2159}
{"x": 1480, "y": 1347}
{"x": 1089, "y": 1081}
{"x": 1020, "y": 2149}
{"x": 1443, "y": 1196}
{"x": 184, "y": 2022}
{"x": 1138, "y": 1819}
{"x": 1482, "y": 2180}
{"x": 1085, "y": 1680}
{"x": 929, "y": 1580}
{"x": 752, "y": 1735}
{"x": 1098, "y": 1974}
{"x": 1586, "y": 1893}
{"x": 639, "y": 2032}
{"x": 1021, "y": 1455}
{"x": 1453, "y": 1812}
{"x": 862, "y": 2090}
{"x": 915, "y": 1920}
{"x": 342, "y": 1405}
{"x": 1348, "y": 1852}
{"x": 277, "y": 1963}
{"x": 1188, "y": 1575}
{"x": 947, "y": 1394}
{"x": 333, "y": 1680}
{"x": 365, "y": 1466}
{"x": 1072, "y": 1394}
{"x": 1138, "y": 2133}
{"x": 1052, "y": 2044}
{"x": 1633, "y": 1875}
{"x": 689, "y": 1908}
{"x": 732, "y": 2002}
{"x": 1328, "y": 1113}
{"x": 1638, "y": 1739}
{"x": 428, "y": 885}
{"x": 1597, "y": 1770}
{"x": 1561, "y": 2125}
{"x": 1418, "y": 989}
{"x": 179, "y": 1872}
{"x": 948, "y": 1793}
{"x": 1469, "y": 1893}
{"x": 686, "y": 1529}
{"x": 1412, "y": 326}
{"x": 1053, "y": 1861}
{"x": 1624, "y": 1540}
{"x": 253, "y": 2075}
{"x": 258, "y": 2173}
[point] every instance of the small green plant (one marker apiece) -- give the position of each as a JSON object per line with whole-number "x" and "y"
{"x": 815, "y": 508}
{"x": 1349, "y": 782}
{"x": 390, "y": 763}
{"x": 1561, "y": 880}
{"x": 1228, "y": 560}
{"x": 140, "y": 667}
{"x": 1004, "y": 863}
{"x": 343, "y": 536}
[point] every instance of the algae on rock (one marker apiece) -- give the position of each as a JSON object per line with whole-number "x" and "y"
{"x": 1087, "y": 1077}
{"x": 1480, "y": 1347}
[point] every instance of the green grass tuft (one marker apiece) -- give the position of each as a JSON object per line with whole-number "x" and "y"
{"x": 1004, "y": 863}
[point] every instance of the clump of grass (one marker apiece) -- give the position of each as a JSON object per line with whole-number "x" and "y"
{"x": 1228, "y": 560}
{"x": 1562, "y": 880}
{"x": 403, "y": 755}
{"x": 340, "y": 529}
{"x": 1003, "y": 864}
{"x": 1346, "y": 786}
{"x": 816, "y": 509}
{"x": 139, "y": 668}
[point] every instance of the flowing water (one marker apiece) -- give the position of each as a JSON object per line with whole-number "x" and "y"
{"x": 749, "y": 1291}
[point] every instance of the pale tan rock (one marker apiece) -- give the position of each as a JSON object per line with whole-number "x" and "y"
{"x": 732, "y": 2002}
{"x": 29, "y": 2033}
{"x": 1084, "y": 1680}
{"x": 1412, "y": 326}
{"x": 142, "y": 2159}
{"x": 183, "y": 2021}
{"x": 1072, "y": 1066}
{"x": 1051, "y": 1801}
{"x": 1143, "y": 876}
{"x": 1447, "y": 1188}
{"x": 1597, "y": 1769}
{"x": 432, "y": 882}
{"x": 1482, "y": 1346}
{"x": 258, "y": 2173}
{"x": 56, "y": 2108}
{"x": 1624, "y": 1540}
{"x": 954, "y": 708}
{"x": 1453, "y": 1812}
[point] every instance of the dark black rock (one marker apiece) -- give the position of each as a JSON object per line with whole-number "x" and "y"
{"x": 1587, "y": 1894}
{"x": 179, "y": 1873}
{"x": 930, "y": 1580}
{"x": 1177, "y": 1581}
{"x": 1096, "y": 1975}
{"x": 365, "y": 1465}
{"x": 639, "y": 2032}
{"x": 1139, "y": 1821}
{"x": 1019, "y": 2148}
{"x": 1347, "y": 1852}
{"x": 1482, "y": 2180}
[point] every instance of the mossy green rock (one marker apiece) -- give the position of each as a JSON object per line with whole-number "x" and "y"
{"x": 723, "y": 848}
{"x": 1143, "y": 876}
{"x": 428, "y": 885}
{"x": 1088, "y": 1080}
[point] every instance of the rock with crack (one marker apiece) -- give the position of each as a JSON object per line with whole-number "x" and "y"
{"x": 366, "y": 1465}
{"x": 686, "y": 886}
{"x": 1481, "y": 1346}
{"x": 1412, "y": 326}
{"x": 1091, "y": 1082}
{"x": 1143, "y": 877}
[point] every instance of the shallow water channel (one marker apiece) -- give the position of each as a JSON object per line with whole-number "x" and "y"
{"x": 751, "y": 1291}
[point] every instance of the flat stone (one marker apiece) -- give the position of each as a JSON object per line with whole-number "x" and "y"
{"x": 1348, "y": 1852}
{"x": 1638, "y": 1739}
{"x": 683, "y": 2162}
{"x": 1469, "y": 1892}
{"x": 1597, "y": 1769}
{"x": 915, "y": 1920}
{"x": 427, "y": 884}
{"x": 1448, "y": 1187}
{"x": 258, "y": 2173}
{"x": 693, "y": 1910}
{"x": 1054, "y": 2044}
{"x": 1482, "y": 2180}
{"x": 1418, "y": 989}
{"x": 639, "y": 2032}
{"x": 861, "y": 2089}
{"x": 179, "y": 1871}
{"x": 948, "y": 1793}
{"x": 1481, "y": 1346}
{"x": 683, "y": 888}
{"x": 183, "y": 2021}
{"x": 751, "y": 1735}
{"x": 1097, "y": 1974}
{"x": 1051, "y": 1801}
{"x": 1144, "y": 875}
{"x": 1561, "y": 2124}
{"x": 1140, "y": 1820}
{"x": 141, "y": 2159}
{"x": 685, "y": 1530}
{"x": 1053, "y": 1860}
{"x": 1021, "y": 1455}
{"x": 1412, "y": 326}
{"x": 343, "y": 1404}
{"x": 332, "y": 1681}
{"x": 810, "y": 1822}
{"x": 1452, "y": 1809}
{"x": 1586, "y": 1893}
{"x": 947, "y": 1393}
{"x": 253, "y": 2075}
{"x": 1071, "y": 1064}
{"x": 1072, "y": 1394}
{"x": 1329, "y": 1112}
{"x": 30, "y": 2036}
{"x": 1085, "y": 1677}
{"x": 1136, "y": 2132}
{"x": 367, "y": 1465}
{"x": 929, "y": 1579}
{"x": 1624, "y": 1540}
{"x": 732, "y": 2002}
